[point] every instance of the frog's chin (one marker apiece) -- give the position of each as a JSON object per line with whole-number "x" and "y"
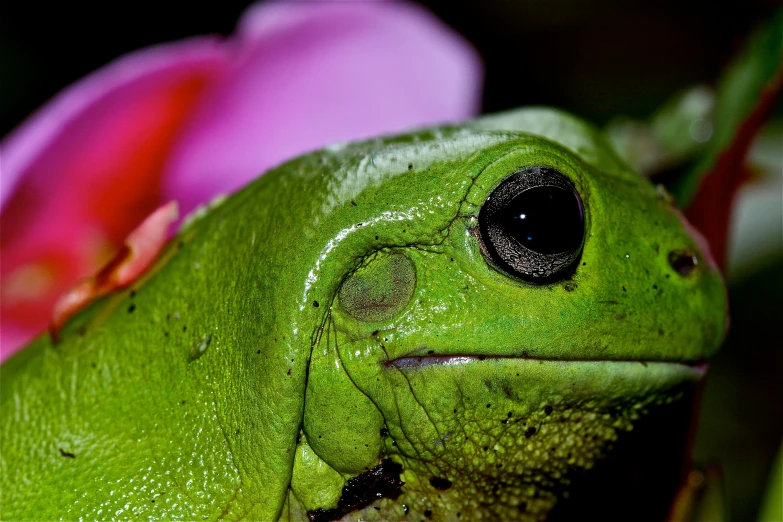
{"x": 697, "y": 369}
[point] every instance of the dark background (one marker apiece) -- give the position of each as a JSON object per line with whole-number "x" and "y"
{"x": 597, "y": 58}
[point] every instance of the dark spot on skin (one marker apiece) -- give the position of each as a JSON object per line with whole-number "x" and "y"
{"x": 584, "y": 264}
{"x": 132, "y": 294}
{"x": 655, "y": 287}
{"x": 624, "y": 290}
{"x": 353, "y": 203}
{"x": 530, "y": 432}
{"x": 315, "y": 304}
{"x": 489, "y": 405}
{"x": 683, "y": 261}
{"x": 486, "y": 448}
{"x": 374, "y": 333}
{"x": 661, "y": 332}
{"x": 184, "y": 328}
{"x": 430, "y": 352}
{"x": 165, "y": 334}
{"x": 440, "y": 483}
{"x": 569, "y": 287}
{"x": 376, "y": 237}
{"x": 66, "y": 454}
{"x": 455, "y": 410}
{"x": 382, "y": 481}
{"x": 237, "y": 433}
{"x": 93, "y": 365}
{"x": 522, "y": 507}
{"x": 183, "y": 402}
{"x": 405, "y": 508}
{"x": 384, "y": 432}
{"x": 131, "y": 308}
{"x": 547, "y": 410}
{"x": 258, "y": 351}
{"x": 289, "y": 371}
{"x": 510, "y": 414}
{"x": 507, "y": 390}
{"x": 482, "y": 357}
{"x": 410, "y": 166}
{"x": 428, "y": 513}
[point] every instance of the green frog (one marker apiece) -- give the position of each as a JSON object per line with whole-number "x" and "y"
{"x": 468, "y": 322}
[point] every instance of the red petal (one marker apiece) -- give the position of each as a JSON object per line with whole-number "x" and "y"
{"x": 140, "y": 250}
{"x": 710, "y": 210}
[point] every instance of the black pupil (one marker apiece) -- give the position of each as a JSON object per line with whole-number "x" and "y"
{"x": 547, "y": 220}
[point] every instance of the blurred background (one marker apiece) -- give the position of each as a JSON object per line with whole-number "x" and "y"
{"x": 600, "y": 59}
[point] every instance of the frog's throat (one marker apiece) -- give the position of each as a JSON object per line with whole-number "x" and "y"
{"x": 697, "y": 368}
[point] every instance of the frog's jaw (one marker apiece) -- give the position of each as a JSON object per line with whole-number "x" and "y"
{"x": 510, "y": 434}
{"x": 642, "y": 470}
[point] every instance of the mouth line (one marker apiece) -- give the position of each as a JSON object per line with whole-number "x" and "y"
{"x": 421, "y": 361}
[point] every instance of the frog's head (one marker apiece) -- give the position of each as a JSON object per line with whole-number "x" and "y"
{"x": 504, "y": 305}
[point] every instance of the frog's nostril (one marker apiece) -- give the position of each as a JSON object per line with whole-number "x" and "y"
{"x": 683, "y": 261}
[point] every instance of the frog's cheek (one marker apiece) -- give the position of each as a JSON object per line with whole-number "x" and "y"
{"x": 343, "y": 426}
{"x": 380, "y": 290}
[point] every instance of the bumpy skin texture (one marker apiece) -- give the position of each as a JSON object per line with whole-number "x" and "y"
{"x": 339, "y": 311}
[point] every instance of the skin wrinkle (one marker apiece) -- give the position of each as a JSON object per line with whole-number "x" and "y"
{"x": 424, "y": 409}
{"x": 230, "y": 451}
{"x": 400, "y": 416}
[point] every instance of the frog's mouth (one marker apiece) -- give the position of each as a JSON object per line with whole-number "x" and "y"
{"x": 699, "y": 367}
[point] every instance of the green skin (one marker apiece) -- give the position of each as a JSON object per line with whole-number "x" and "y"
{"x": 215, "y": 387}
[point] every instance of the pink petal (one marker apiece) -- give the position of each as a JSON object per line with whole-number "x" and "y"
{"x": 84, "y": 101}
{"x": 309, "y": 74}
{"x": 84, "y": 170}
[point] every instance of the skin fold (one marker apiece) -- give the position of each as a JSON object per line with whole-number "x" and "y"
{"x": 338, "y": 320}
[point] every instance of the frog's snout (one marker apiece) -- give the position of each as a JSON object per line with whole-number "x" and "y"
{"x": 683, "y": 261}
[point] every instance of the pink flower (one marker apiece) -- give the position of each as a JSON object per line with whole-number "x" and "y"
{"x": 195, "y": 118}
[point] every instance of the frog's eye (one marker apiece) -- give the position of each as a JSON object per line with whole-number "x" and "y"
{"x": 532, "y": 226}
